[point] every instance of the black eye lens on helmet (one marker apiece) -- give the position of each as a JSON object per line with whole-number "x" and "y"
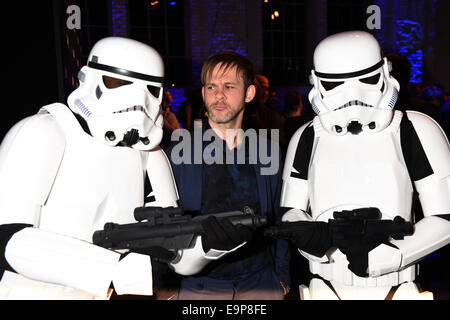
{"x": 330, "y": 85}
{"x": 155, "y": 91}
{"x": 112, "y": 83}
{"x": 371, "y": 80}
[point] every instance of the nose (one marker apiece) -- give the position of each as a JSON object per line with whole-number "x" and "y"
{"x": 219, "y": 93}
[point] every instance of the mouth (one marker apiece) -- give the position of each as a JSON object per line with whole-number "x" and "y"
{"x": 219, "y": 107}
{"x": 354, "y": 103}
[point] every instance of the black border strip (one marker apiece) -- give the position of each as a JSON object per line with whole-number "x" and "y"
{"x": 350, "y": 74}
{"x": 124, "y": 72}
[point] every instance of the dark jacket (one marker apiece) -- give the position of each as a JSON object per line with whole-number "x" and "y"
{"x": 189, "y": 183}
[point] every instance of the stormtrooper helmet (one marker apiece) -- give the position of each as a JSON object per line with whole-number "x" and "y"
{"x": 120, "y": 93}
{"x": 352, "y": 88}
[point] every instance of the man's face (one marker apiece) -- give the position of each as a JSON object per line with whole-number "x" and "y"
{"x": 225, "y": 96}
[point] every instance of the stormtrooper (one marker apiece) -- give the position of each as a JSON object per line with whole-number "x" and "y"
{"x": 356, "y": 156}
{"x": 65, "y": 172}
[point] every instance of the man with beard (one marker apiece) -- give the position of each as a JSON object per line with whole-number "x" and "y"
{"x": 246, "y": 265}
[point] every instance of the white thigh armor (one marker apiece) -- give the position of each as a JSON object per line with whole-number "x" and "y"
{"x": 368, "y": 170}
{"x": 66, "y": 185}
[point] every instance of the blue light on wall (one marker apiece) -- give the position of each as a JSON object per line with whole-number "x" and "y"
{"x": 409, "y": 37}
{"x": 119, "y": 18}
{"x": 224, "y": 33}
{"x": 177, "y": 97}
{"x": 227, "y": 41}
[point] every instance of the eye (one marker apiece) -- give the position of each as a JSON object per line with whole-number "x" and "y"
{"x": 330, "y": 85}
{"x": 371, "y": 80}
{"x": 155, "y": 91}
{"x": 112, "y": 83}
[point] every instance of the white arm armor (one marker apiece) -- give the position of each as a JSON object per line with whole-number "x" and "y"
{"x": 162, "y": 179}
{"x": 432, "y": 232}
{"x": 58, "y": 259}
{"x": 193, "y": 260}
{"x": 30, "y": 156}
{"x": 294, "y": 192}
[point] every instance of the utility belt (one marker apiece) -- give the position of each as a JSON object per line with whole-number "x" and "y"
{"x": 338, "y": 271}
{"x": 389, "y": 296}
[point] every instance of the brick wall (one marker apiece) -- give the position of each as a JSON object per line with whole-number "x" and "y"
{"x": 119, "y": 17}
{"x": 217, "y": 25}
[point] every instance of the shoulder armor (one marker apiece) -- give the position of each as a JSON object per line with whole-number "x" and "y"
{"x": 30, "y": 156}
{"x": 292, "y": 149}
{"x": 294, "y": 192}
{"x": 434, "y": 142}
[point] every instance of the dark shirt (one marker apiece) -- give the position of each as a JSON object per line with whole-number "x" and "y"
{"x": 230, "y": 187}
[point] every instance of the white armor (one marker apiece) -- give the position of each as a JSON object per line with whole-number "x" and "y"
{"x": 65, "y": 184}
{"x": 366, "y": 168}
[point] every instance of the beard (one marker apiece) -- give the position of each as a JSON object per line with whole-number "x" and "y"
{"x": 224, "y": 116}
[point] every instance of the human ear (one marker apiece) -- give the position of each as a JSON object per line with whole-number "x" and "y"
{"x": 250, "y": 93}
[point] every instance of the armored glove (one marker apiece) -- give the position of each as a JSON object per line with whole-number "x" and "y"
{"x": 312, "y": 237}
{"x": 221, "y": 234}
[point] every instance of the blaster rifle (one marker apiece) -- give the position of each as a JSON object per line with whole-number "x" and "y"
{"x": 354, "y": 232}
{"x": 367, "y": 222}
{"x": 363, "y": 221}
{"x": 357, "y": 232}
{"x": 169, "y": 228}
